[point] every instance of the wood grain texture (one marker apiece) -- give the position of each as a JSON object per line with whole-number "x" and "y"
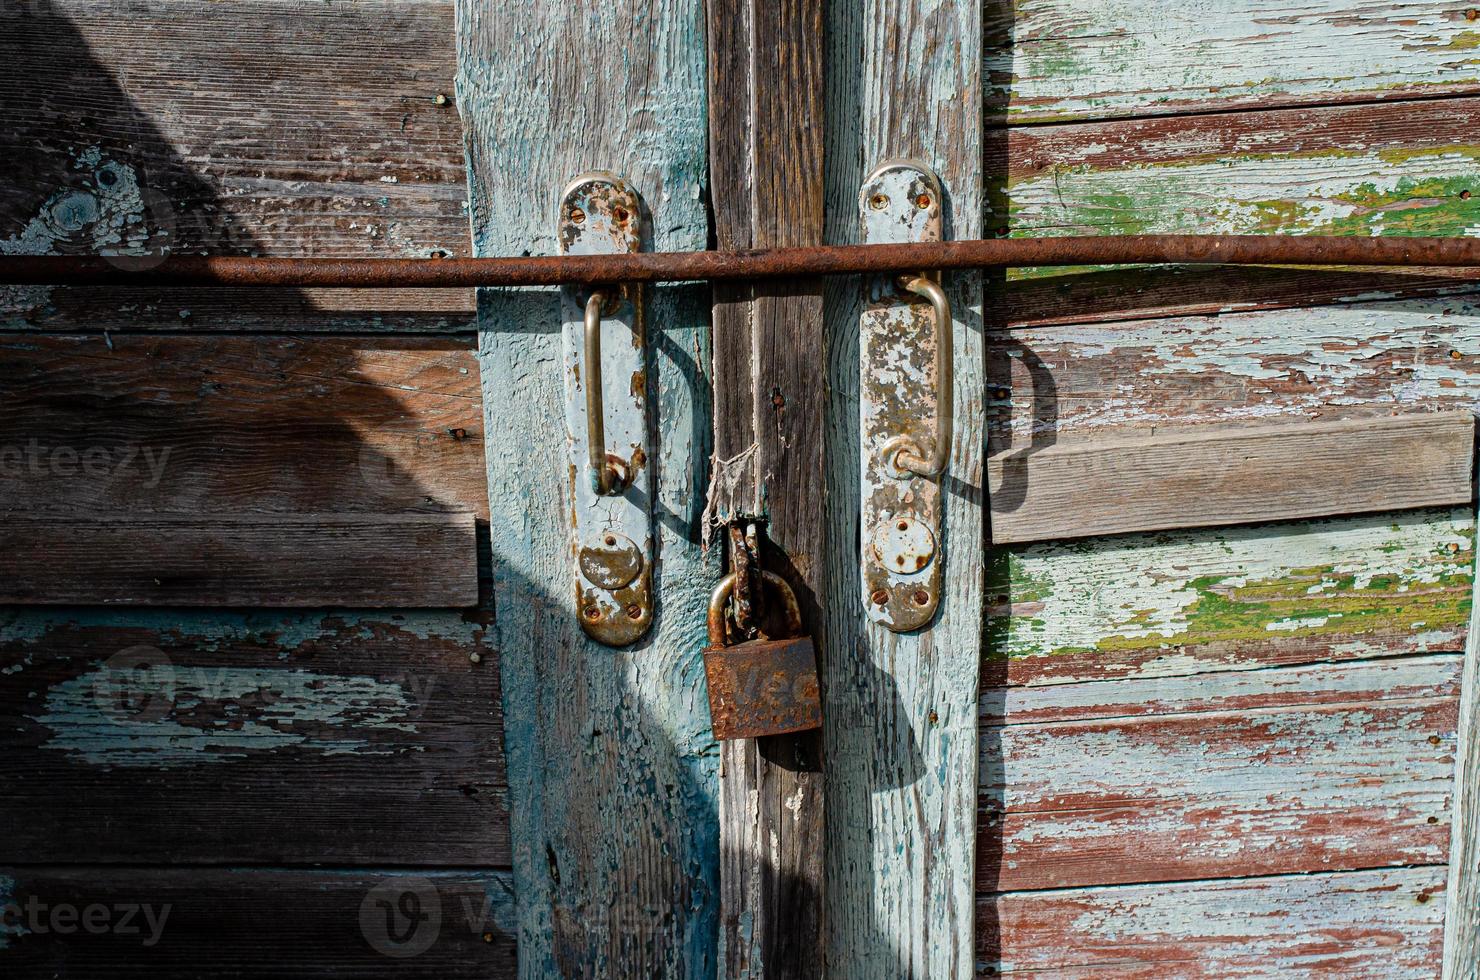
{"x": 612, "y": 765}
{"x": 1386, "y": 923}
{"x": 1049, "y": 60}
{"x": 240, "y": 127}
{"x": 212, "y": 424}
{"x": 1061, "y": 384}
{"x": 205, "y": 924}
{"x": 766, "y": 190}
{"x": 1392, "y": 169}
{"x": 1191, "y": 602}
{"x": 382, "y": 561}
{"x": 246, "y": 738}
{"x": 1233, "y": 785}
{"x": 904, "y": 80}
{"x": 1462, "y": 899}
{"x": 1209, "y": 479}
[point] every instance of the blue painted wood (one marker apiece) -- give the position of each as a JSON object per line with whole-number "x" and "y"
{"x": 904, "y": 81}
{"x": 612, "y": 767}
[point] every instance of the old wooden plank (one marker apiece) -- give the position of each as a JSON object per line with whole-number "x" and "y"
{"x": 232, "y": 424}
{"x": 766, "y": 190}
{"x": 1462, "y": 904}
{"x": 367, "y": 560}
{"x": 239, "y": 127}
{"x": 1298, "y": 685}
{"x": 1386, "y": 169}
{"x": 255, "y": 923}
{"x": 612, "y": 765}
{"x": 1195, "y": 601}
{"x": 209, "y": 737}
{"x": 904, "y": 81}
{"x": 1386, "y": 923}
{"x": 1205, "y": 479}
{"x": 1052, "y": 60}
{"x": 1059, "y": 384}
{"x": 1239, "y": 786}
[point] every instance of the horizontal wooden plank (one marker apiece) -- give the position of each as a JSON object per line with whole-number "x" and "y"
{"x": 1209, "y": 479}
{"x": 1243, "y": 785}
{"x": 299, "y": 560}
{"x": 1049, "y": 59}
{"x": 1392, "y": 169}
{"x": 1295, "y": 686}
{"x": 214, "y": 737}
{"x": 1386, "y": 923}
{"x": 187, "y": 425}
{"x": 230, "y": 127}
{"x": 1182, "y": 602}
{"x": 256, "y": 923}
{"x": 1062, "y": 383}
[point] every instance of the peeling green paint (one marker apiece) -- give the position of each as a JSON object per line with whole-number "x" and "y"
{"x": 1338, "y": 578}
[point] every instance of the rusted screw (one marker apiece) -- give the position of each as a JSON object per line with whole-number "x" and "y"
{"x": 440, "y": 99}
{"x": 1472, "y": 14}
{"x": 922, "y": 597}
{"x": 878, "y": 202}
{"x": 899, "y": 560}
{"x": 903, "y": 525}
{"x": 621, "y": 215}
{"x": 1434, "y": 740}
{"x": 1453, "y": 548}
{"x": 634, "y": 611}
{"x": 577, "y": 215}
{"x": 609, "y": 541}
{"x": 1001, "y": 394}
{"x": 922, "y": 202}
{"x": 880, "y": 596}
{"x": 1455, "y": 354}
{"x": 591, "y": 613}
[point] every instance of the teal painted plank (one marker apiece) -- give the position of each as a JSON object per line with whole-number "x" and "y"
{"x": 901, "y": 731}
{"x": 611, "y": 763}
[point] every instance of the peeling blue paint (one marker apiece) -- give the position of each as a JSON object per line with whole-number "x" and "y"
{"x": 163, "y": 716}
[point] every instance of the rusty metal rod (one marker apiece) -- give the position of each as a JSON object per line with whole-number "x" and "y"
{"x": 776, "y": 263}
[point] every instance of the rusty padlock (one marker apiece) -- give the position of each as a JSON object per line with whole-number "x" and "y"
{"x": 765, "y": 686}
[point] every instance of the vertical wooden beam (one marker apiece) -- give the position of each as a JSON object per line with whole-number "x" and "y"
{"x": 904, "y": 80}
{"x": 1462, "y": 896}
{"x": 765, "y": 132}
{"x": 611, "y": 765}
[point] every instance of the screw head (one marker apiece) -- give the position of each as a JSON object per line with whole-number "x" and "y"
{"x": 879, "y": 202}
{"x": 921, "y": 597}
{"x": 634, "y": 611}
{"x": 577, "y": 215}
{"x": 592, "y": 613}
{"x": 475, "y": 657}
{"x": 620, "y": 215}
{"x": 922, "y": 202}
{"x": 880, "y": 596}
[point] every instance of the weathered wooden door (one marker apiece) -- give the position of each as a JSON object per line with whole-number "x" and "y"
{"x": 1189, "y": 703}
{"x": 1197, "y": 697}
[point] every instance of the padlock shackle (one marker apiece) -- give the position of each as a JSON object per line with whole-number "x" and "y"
{"x": 726, "y": 587}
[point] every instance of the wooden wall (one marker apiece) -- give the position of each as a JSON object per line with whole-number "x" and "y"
{"x": 1225, "y": 752}
{"x": 269, "y": 776}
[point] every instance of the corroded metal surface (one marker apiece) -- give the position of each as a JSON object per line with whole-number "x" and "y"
{"x": 898, "y": 385}
{"x": 753, "y": 264}
{"x": 612, "y": 538}
{"x": 763, "y": 686}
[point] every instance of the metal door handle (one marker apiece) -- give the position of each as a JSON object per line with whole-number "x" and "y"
{"x": 907, "y": 455}
{"x": 605, "y": 479}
